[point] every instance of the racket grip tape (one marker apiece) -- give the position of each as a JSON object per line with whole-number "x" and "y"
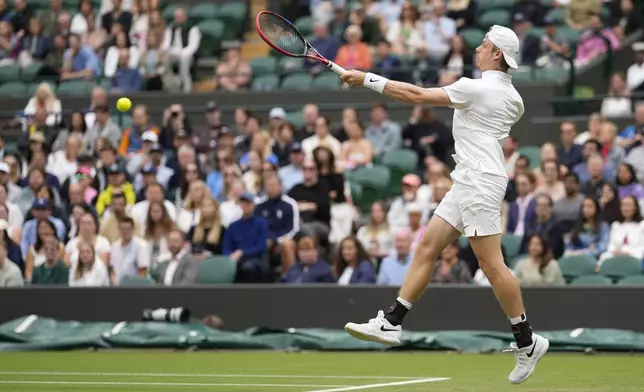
{"x": 336, "y": 68}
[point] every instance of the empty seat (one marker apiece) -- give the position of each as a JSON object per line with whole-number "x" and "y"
{"x": 202, "y": 11}
{"x": 533, "y": 153}
{"x": 494, "y": 17}
{"x": 299, "y": 81}
{"x": 591, "y": 280}
{"x": 573, "y": 267}
{"x": 15, "y": 89}
{"x": 218, "y": 269}
{"x": 212, "y": 32}
{"x": 263, "y": 66}
{"x": 265, "y": 83}
{"x": 620, "y": 267}
{"x": 511, "y": 244}
{"x": 326, "y": 81}
{"x": 305, "y": 25}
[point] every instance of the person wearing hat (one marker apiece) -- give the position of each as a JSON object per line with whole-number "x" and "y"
{"x": 147, "y": 176}
{"x": 245, "y": 243}
{"x": 635, "y": 73}
{"x": 485, "y": 110}
{"x": 276, "y": 118}
{"x": 132, "y": 138}
{"x": 115, "y": 180}
{"x": 136, "y": 161}
{"x": 293, "y": 173}
{"x": 41, "y": 210}
{"x": 398, "y": 216}
{"x": 204, "y": 139}
{"x": 155, "y": 164}
{"x": 33, "y": 182}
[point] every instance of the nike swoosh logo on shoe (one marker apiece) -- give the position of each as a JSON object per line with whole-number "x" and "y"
{"x": 383, "y": 329}
{"x": 531, "y": 353}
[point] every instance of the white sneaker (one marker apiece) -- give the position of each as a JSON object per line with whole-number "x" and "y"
{"x": 527, "y": 358}
{"x": 376, "y": 330}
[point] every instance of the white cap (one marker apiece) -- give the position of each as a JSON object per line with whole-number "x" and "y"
{"x": 414, "y": 207}
{"x": 149, "y": 136}
{"x": 507, "y": 41}
{"x": 277, "y": 113}
{"x": 4, "y": 168}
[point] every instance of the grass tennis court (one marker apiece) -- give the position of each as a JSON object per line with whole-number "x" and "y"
{"x": 143, "y": 371}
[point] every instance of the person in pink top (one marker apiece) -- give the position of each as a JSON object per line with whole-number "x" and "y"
{"x": 591, "y": 43}
{"x": 84, "y": 178}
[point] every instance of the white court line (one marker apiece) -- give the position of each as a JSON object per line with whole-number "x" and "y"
{"x": 213, "y": 375}
{"x": 388, "y": 384}
{"x": 160, "y": 384}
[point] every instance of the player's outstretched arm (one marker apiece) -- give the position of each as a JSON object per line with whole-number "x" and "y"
{"x": 399, "y": 91}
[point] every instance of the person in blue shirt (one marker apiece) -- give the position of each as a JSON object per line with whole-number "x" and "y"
{"x": 324, "y": 43}
{"x": 259, "y": 144}
{"x": 293, "y": 173}
{"x": 41, "y": 210}
{"x": 591, "y": 147}
{"x": 310, "y": 268}
{"x": 387, "y": 64}
{"x": 570, "y": 154}
{"x": 352, "y": 264}
{"x": 627, "y": 137}
{"x": 79, "y": 61}
{"x": 126, "y": 79}
{"x": 591, "y": 234}
{"x": 394, "y": 267}
{"x": 245, "y": 243}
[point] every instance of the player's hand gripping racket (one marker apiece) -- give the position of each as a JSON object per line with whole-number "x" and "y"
{"x": 281, "y": 35}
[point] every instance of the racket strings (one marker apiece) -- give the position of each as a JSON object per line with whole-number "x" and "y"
{"x": 282, "y": 34}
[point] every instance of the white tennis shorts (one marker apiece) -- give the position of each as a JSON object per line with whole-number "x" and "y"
{"x": 473, "y": 204}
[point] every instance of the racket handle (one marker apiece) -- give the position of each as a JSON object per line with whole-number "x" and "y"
{"x": 336, "y": 68}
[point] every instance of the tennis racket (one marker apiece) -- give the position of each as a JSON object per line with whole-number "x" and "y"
{"x": 281, "y": 35}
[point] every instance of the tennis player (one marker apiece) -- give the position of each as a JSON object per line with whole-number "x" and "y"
{"x": 484, "y": 111}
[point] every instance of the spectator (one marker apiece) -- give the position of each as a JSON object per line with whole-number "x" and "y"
{"x": 117, "y": 16}
{"x": 463, "y": 12}
{"x": 312, "y": 197}
{"x": 627, "y": 233}
{"x": 181, "y": 268}
{"x": 158, "y": 224}
{"x": 82, "y": 20}
{"x": 609, "y": 203}
{"x": 618, "y": 103}
{"x": 450, "y": 268}
{"x": 322, "y": 137}
{"x": 41, "y": 210}
{"x": 152, "y": 64}
{"x": 310, "y": 112}
{"x": 64, "y": 24}
{"x": 38, "y": 161}
{"x": 130, "y": 255}
{"x": 89, "y": 270}
{"x": 252, "y": 125}
{"x": 438, "y": 31}
{"x": 293, "y": 174}
{"x": 283, "y": 218}
{"x": 260, "y": 144}
{"x": 88, "y": 232}
{"x": 458, "y": 62}
{"x": 326, "y": 44}
{"x": 342, "y": 213}
{"x": 14, "y": 216}
{"x": 132, "y": 140}
{"x": 310, "y": 268}
{"x": 570, "y": 154}
{"x": 368, "y": 25}
{"x": 10, "y": 275}
{"x": 110, "y": 223}
{"x": 590, "y": 148}
{"x": 384, "y": 134}
{"x": 551, "y": 185}
{"x": 189, "y": 209}
{"x": 355, "y": 53}
{"x": 397, "y": 216}
{"x": 115, "y": 181}
{"x": 627, "y": 183}
{"x": 591, "y": 43}
{"x": 579, "y": 13}
{"x": 539, "y": 268}
{"x": 545, "y": 225}
{"x": 5, "y": 12}
{"x": 80, "y": 61}
{"x": 63, "y": 164}
{"x": 147, "y": 176}
{"x": 253, "y": 177}
{"x": 634, "y": 132}
{"x": 208, "y": 232}
{"x": 357, "y": 151}
{"x": 14, "y": 161}
{"x": 11, "y": 240}
{"x": 230, "y": 210}
{"x": 566, "y": 209}
{"x": 103, "y": 127}
{"x": 612, "y": 152}
{"x": 7, "y": 44}
{"x": 6, "y": 182}
{"x": 53, "y": 270}
{"x": 533, "y": 10}
{"x": 591, "y": 234}
{"x": 215, "y": 179}
{"x": 126, "y": 79}
{"x": 245, "y": 243}
{"x": 154, "y": 193}
{"x": 233, "y": 73}
{"x": 352, "y": 264}
{"x": 282, "y": 144}
{"x": 114, "y": 53}
{"x": 375, "y": 236}
{"x": 155, "y": 163}
{"x": 635, "y": 73}
{"x": 76, "y": 127}
{"x": 553, "y": 47}
{"x": 140, "y": 20}
{"x": 35, "y": 256}
{"x": 205, "y": 139}
{"x": 35, "y": 46}
{"x": 156, "y": 23}
{"x": 629, "y": 18}
{"x": 339, "y": 22}
{"x": 174, "y": 121}
{"x": 405, "y": 34}
{"x": 387, "y": 64}
{"x": 593, "y": 186}
{"x": 45, "y": 99}
{"x": 394, "y": 267}
{"x": 522, "y": 210}
{"x": 49, "y": 17}
{"x": 182, "y": 42}
{"x": 21, "y": 15}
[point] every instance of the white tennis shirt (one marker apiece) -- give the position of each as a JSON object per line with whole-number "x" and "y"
{"x": 484, "y": 112}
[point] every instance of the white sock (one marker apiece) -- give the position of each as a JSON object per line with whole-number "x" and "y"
{"x": 405, "y": 303}
{"x": 518, "y": 320}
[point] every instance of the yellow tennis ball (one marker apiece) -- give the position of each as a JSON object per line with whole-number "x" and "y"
{"x": 123, "y": 104}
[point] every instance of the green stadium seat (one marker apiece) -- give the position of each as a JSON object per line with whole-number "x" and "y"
{"x": 218, "y": 269}
{"x": 511, "y": 244}
{"x": 591, "y": 280}
{"x": 399, "y": 162}
{"x": 486, "y": 5}
{"x": 15, "y": 89}
{"x": 305, "y": 25}
{"x": 575, "y": 266}
{"x": 75, "y": 88}
{"x": 212, "y": 32}
{"x": 265, "y": 83}
{"x": 492, "y": 17}
{"x": 136, "y": 281}
{"x": 374, "y": 181}
{"x": 472, "y": 37}
{"x": 9, "y": 73}
{"x": 356, "y": 192}
{"x": 326, "y": 81}
{"x": 40, "y": 4}
{"x": 632, "y": 281}
{"x": 620, "y": 267}
{"x": 30, "y": 73}
{"x": 123, "y": 120}
{"x": 263, "y": 66}
{"x": 290, "y": 64}
{"x": 295, "y": 118}
{"x": 533, "y": 153}
{"x": 202, "y": 11}
{"x": 298, "y": 81}
{"x": 233, "y": 15}
{"x": 463, "y": 242}
{"x": 570, "y": 35}
{"x": 558, "y": 14}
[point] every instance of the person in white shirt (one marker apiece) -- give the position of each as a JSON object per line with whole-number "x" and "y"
{"x": 130, "y": 255}
{"x": 45, "y": 98}
{"x": 198, "y": 194}
{"x": 635, "y": 73}
{"x": 484, "y": 112}
{"x": 618, "y": 103}
{"x": 87, "y": 232}
{"x": 181, "y": 268}
{"x": 322, "y": 137}
{"x": 64, "y": 164}
{"x": 397, "y": 217}
{"x": 627, "y": 233}
{"x": 121, "y": 41}
{"x": 230, "y": 210}
{"x": 153, "y": 192}
{"x": 89, "y": 270}
{"x": 182, "y": 42}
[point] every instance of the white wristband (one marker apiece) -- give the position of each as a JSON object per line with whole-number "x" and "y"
{"x": 375, "y": 82}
